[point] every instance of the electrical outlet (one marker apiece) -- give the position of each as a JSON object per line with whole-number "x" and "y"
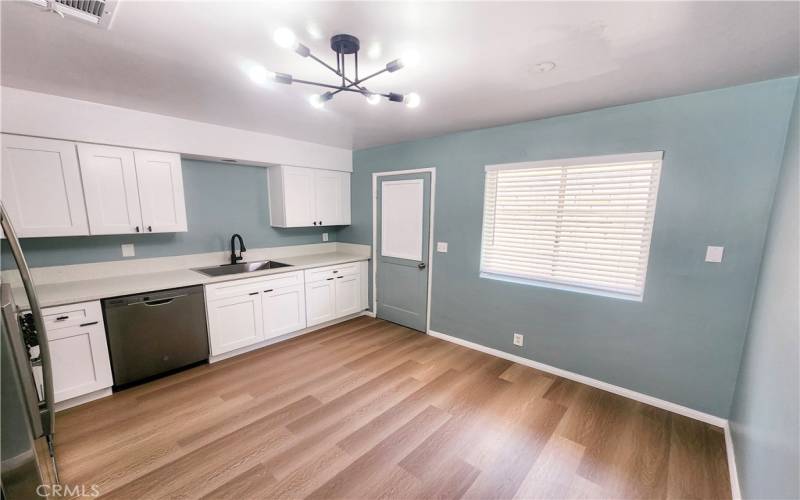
{"x": 714, "y": 254}
{"x": 128, "y": 250}
{"x": 518, "y": 339}
{"x": 324, "y": 236}
{"x": 441, "y": 246}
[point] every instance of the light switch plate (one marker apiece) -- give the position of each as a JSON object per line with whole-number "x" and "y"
{"x": 324, "y": 236}
{"x": 128, "y": 250}
{"x": 714, "y": 254}
{"x": 441, "y": 246}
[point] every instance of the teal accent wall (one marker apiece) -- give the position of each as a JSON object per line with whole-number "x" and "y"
{"x": 221, "y": 199}
{"x": 765, "y": 419}
{"x": 723, "y": 151}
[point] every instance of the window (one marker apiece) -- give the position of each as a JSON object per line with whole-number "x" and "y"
{"x": 582, "y": 224}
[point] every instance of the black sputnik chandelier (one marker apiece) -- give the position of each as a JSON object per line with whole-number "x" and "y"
{"x": 343, "y": 45}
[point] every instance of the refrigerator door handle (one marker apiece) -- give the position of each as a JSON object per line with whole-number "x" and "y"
{"x": 48, "y": 423}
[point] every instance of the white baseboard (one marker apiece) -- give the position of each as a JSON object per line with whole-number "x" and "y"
{"x": 275, "y": 340}
{"x": 79, "y": 400}
{"x": 733, "y": 472}
{"x": 369, "y": 313}
{"x": 628, "y": 393}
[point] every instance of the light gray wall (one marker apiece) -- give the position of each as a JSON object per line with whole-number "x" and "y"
{"x": 766, "y": 413}
{"x": 221, "y": 199}
{"x": 723, "y": 150}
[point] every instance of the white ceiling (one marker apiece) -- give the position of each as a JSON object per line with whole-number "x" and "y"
{"x": 478, "y": 65}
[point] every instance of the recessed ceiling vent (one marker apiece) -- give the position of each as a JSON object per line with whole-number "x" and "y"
{"x": 97, "y": 12}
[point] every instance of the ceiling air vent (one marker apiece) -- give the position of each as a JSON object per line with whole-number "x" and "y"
{"x": 97, "y": 12}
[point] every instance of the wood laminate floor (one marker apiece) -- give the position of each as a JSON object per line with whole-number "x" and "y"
{"x": 370, "y": 409}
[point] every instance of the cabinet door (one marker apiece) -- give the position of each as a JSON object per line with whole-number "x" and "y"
{"x": 298, "y": 196}
{"x": 320, "y": 302}
{"x": 112, "y": 193}
{"x": 80, "y": 360}
{"x": 284, "y": 310}
{"x": 160, "y": 191}
{"x": 235, "y": 322}
{"x": 331, "y": 197}
{"x": 41, "y": 187}
{"x": 348, "y": 295}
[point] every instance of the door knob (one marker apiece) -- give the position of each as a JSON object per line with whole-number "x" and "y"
{"x": 421, "y": 265}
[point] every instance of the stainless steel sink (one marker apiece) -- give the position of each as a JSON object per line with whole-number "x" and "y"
{"x": 243, "y": 267}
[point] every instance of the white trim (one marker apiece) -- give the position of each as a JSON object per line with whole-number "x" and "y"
{"x": 83, "y": 399}
{"x": 281, "y": 338}
{"x": 636, "y": 396}
{"x": 375, "y": 176}
{"x": 736, "y": 491}
{"x": 584, "y": 160}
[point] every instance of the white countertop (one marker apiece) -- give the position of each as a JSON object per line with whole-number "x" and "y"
{"x": 70, "y": 292}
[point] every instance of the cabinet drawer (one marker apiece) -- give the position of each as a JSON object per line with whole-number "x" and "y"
{"x": 71, "y": 315}
{"x": 247, "y": 285}
{"x": 323, "y": 273}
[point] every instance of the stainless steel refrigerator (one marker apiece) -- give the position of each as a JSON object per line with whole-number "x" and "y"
{"x": 27, "y": 417}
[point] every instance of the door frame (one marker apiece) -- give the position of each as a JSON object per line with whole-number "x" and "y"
{"x": 431, "y": 244}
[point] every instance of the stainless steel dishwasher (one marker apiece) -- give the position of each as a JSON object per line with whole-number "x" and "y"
{"x": 151, "y": 334}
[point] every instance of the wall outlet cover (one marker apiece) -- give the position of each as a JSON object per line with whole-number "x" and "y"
{"x": 441, "y": 246}
{"x": 518, "y": 339}
{"x": 324, "y": 236}
{"x": 714, "y": 254}
{"x": 128, "y": 250}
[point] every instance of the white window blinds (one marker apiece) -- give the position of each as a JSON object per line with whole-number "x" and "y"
{"x": 582, "y": 223}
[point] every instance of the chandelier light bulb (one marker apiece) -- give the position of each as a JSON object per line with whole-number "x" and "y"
{"x": 374, "y": 99}
{"x": 316, "y": 101}
{"x": 285, "y": 38}
{"x": 410, "y": 58}
{"x": 412, "y": 100}
{"x": 259, "y": 74}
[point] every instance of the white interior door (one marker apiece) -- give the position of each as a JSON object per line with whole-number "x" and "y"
{"x": 160, "y": 191}
{"x": 41, "y": 187}
{"x": 111, "y": 189}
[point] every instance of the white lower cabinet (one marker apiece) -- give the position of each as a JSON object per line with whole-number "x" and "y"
{"x": 284, "y": 310}
{"x": 320, "y": 302}
{"x": 77, "y": 339}
{"x": 235, "y": 322}
{"x": 334, "y": 291}
{"x": 249, "y": 311}
{"x": 348, "y": 295}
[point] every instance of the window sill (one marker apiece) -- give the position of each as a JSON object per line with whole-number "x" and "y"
{"x": 562, "y": 287}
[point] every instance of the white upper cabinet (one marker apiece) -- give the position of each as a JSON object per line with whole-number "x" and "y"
{"x": 300, "y": 197}
{"x": 131, "y": 191}
{"x": 112, "y": 193}
{"x": 332, "y": 197}
{"x": 41, "y": 187}
{"x": 160, "y": 191}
